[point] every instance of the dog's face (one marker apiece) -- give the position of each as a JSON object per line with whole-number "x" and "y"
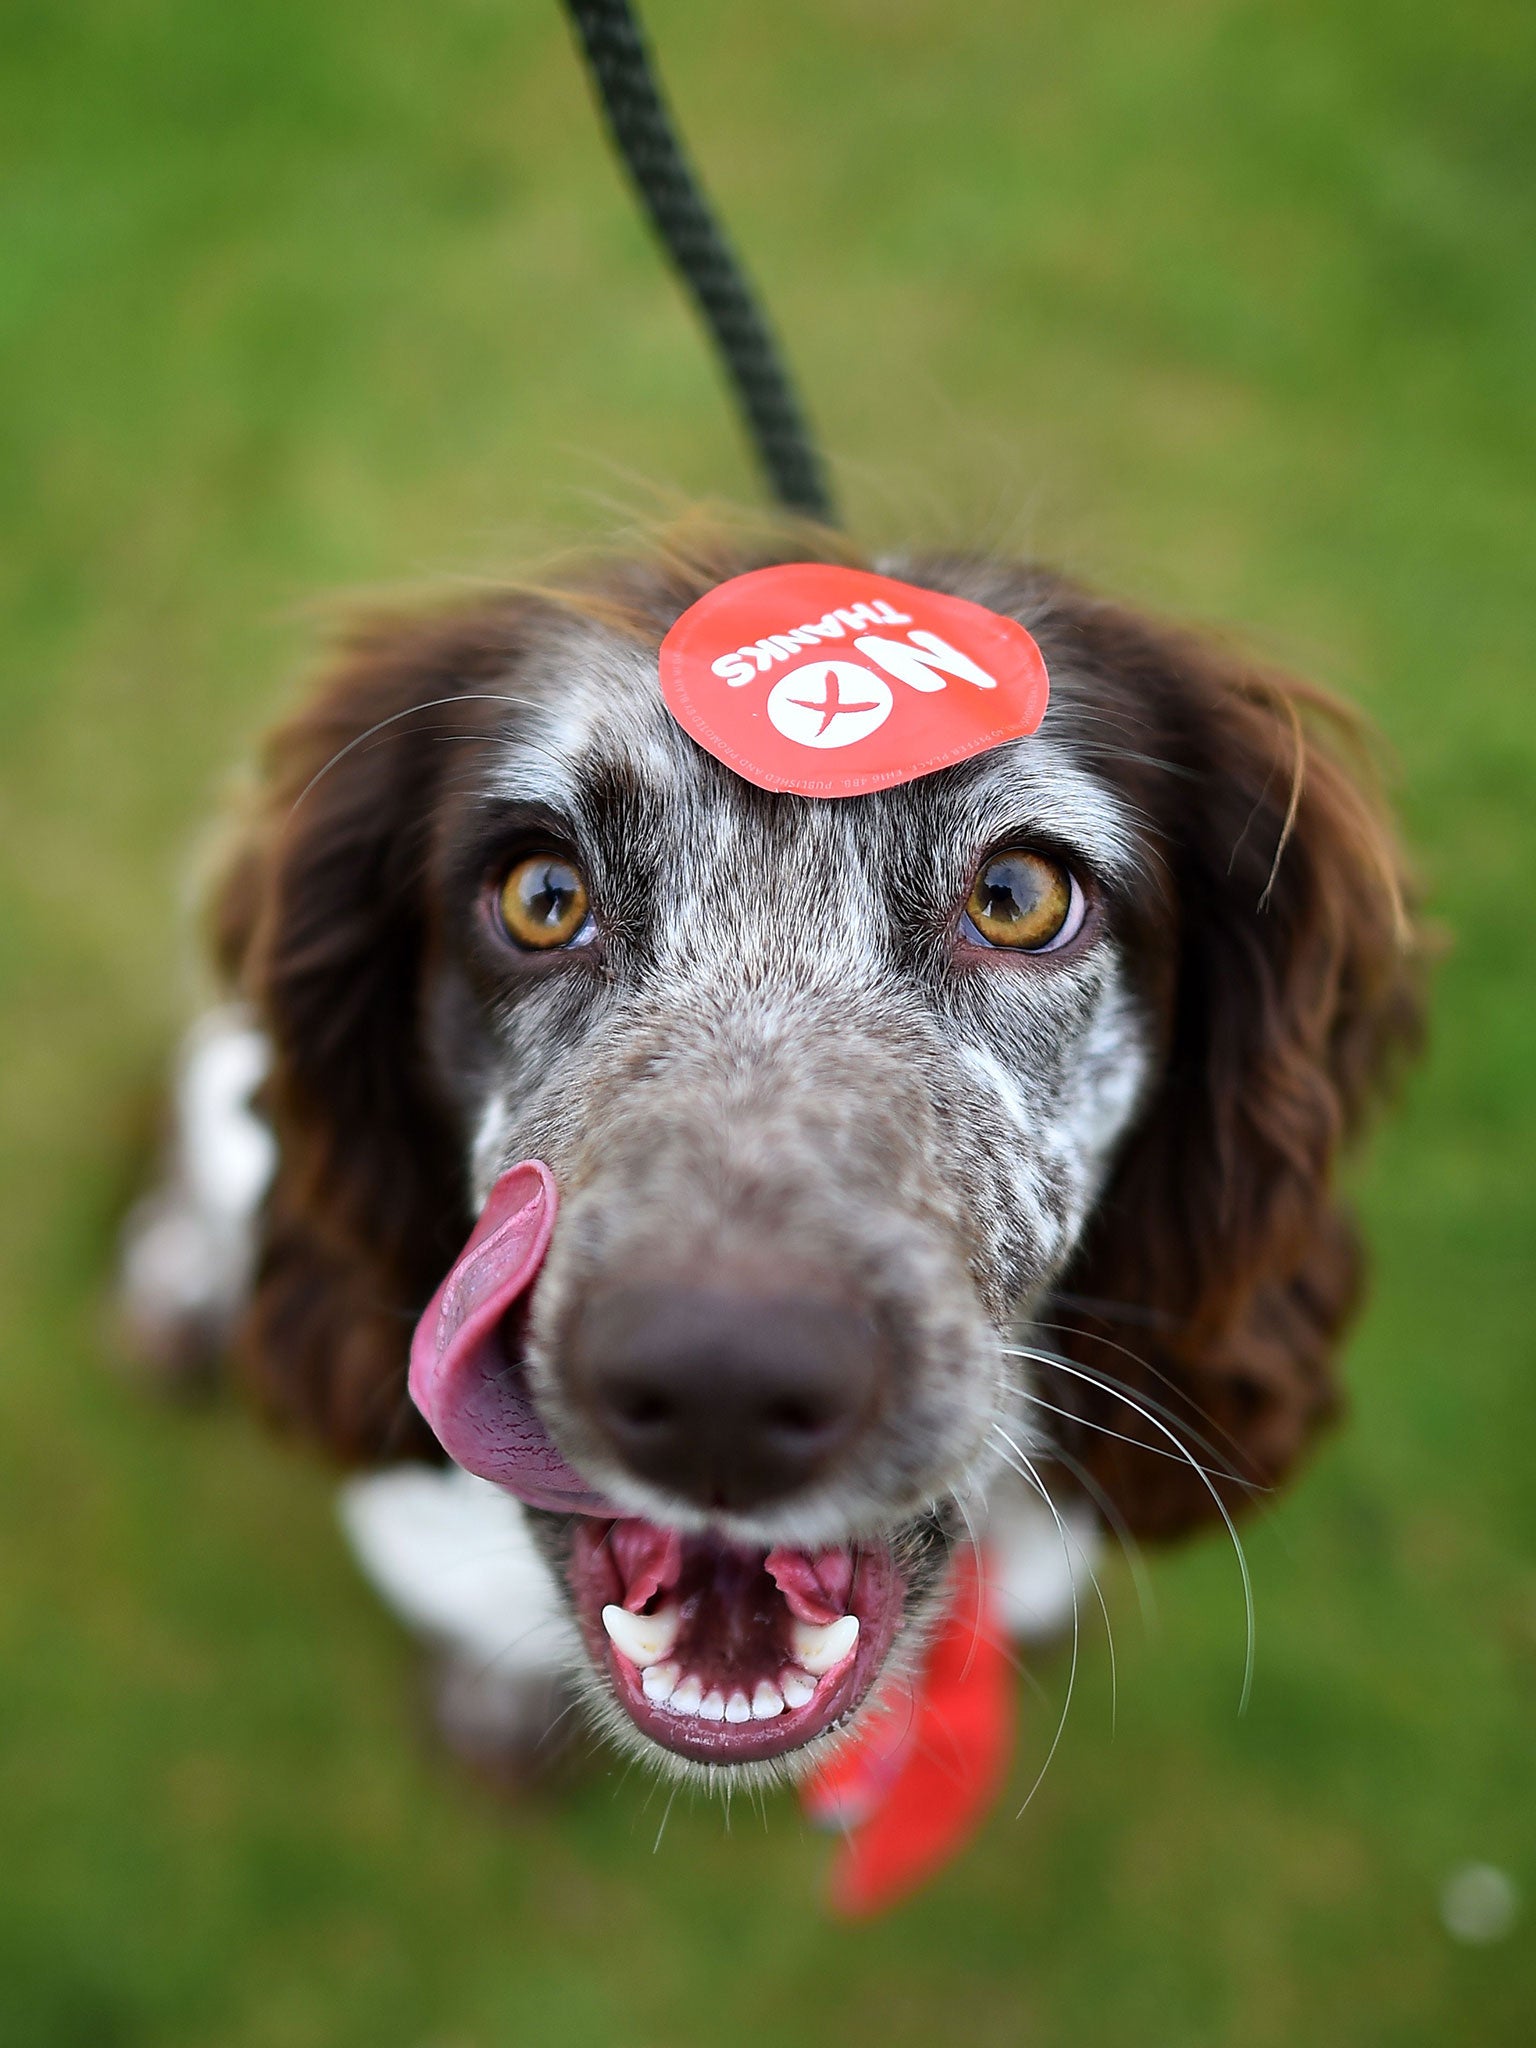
{"x": 842, "y": 1099}
{"x": 820, "y": 1142}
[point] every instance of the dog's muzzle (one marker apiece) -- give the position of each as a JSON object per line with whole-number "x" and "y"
{"x": 729, "y": 1399}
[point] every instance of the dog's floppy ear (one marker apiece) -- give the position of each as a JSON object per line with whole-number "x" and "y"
{"x": 1222, "y": 1267}
{"x": 321, "y": 924}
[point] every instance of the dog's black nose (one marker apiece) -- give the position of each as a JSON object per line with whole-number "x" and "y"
{"x": 729, "y": 1400}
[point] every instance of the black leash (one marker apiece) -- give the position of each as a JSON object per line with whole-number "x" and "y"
{"x": 643, "y": 133}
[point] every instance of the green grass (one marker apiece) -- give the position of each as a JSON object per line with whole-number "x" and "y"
{"x": 1228, "y": 305}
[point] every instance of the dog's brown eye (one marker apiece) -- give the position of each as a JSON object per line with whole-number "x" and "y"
{"x": 1026, "y": 902}
{"x": 543, "y": 901}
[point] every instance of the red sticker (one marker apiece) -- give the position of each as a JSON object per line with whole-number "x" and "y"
{"x": 831, "y": 682}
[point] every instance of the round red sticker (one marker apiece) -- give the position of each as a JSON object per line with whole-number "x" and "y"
{"x": 832, "y": 682}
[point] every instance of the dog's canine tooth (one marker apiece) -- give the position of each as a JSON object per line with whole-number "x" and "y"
{"x": 712, "y": 1707}
{"x": 820, "y": 1645}
{"x": 767, "y": 1701}
{"x": 686, "y": 1696}
{"x": 659, "y": 1681}
{"x": 645, "y": 1639}
{"x": 798, "y": 1689}
{"x": 738, "y": 1707}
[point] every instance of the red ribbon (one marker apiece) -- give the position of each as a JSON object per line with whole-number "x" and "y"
{"x": 917, "y": 1781}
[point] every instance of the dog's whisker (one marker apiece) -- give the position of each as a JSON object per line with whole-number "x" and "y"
{"x": 757, "y": 1799}
{"x": 994, "y": 1638}
{"x": 980, "y": 1602}
{"x": 1070, "y": 1542}
{"x": 410, "y": 711}
{"x": 1137, "y": 1443}
{"x": 1141, "y": 1578}
{"x": 616, "y": 1790}
{"x": 1137, "y": 1314}
{"x": 1002, "y": 1642}
{"x": 558, "y": 1720}
{"x": 1146, "y": 1365}
{"x": 1111, "y": 1385}
{"x": 666, "y": 1815}
{"x": 489, "y": 1665}
{"x": 1220, "y": 1505}
{"x": 953, "y": 1765}
{"x": 1027, "y": 1472}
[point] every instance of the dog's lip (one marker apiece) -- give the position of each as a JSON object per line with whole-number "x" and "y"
{"x": 873, "y": 1591}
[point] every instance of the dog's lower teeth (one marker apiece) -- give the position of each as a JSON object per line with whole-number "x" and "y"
{"x": 645, "y": 1639}
{"x": 660, "y": 1681}
{"x": 664, "y": 1685}
{"x": 820, "y": 1645}
{"x": 798, "y": 1689}
{"x": 687, "y": 1696}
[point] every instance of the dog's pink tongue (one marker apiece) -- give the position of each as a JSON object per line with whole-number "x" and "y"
{"x": 473, "y": 1395}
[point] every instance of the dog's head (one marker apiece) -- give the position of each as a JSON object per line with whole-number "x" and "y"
{"x": 987, "y": 1118}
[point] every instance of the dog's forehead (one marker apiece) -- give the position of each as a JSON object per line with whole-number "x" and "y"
{"x": 598, "y": 722}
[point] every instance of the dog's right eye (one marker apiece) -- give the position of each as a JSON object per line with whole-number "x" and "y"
{"x": 543, "y": 903}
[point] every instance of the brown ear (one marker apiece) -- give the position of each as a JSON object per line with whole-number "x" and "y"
{"x": 1222, "y": 1266}
{"x": 322, "y": 924}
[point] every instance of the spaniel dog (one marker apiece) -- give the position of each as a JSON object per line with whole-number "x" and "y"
{"x": 976, "y": 1133}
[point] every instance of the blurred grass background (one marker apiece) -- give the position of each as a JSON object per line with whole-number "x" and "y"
{"x": 1228, "y": 305}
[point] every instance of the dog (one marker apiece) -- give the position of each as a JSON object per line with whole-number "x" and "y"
{"x": 965, "y": 1141}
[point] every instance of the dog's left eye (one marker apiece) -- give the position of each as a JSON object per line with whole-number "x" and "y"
{"x": 1025, "y": 902}
{"x": 543, "y": 903}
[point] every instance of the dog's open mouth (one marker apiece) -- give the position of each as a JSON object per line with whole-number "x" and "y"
{"x": 726, "y": 1654}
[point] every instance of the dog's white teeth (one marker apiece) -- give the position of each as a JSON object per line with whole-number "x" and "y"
{"x": 645, "y": 1639}
{"x": 659, "y": 1681}
{"x": 687, "y": 1696}
{"x": 797, "y": 1688}
{"x": 820, "y": 1645}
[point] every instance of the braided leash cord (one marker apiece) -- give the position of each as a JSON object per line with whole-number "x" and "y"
{"x": 643, "y": 133}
